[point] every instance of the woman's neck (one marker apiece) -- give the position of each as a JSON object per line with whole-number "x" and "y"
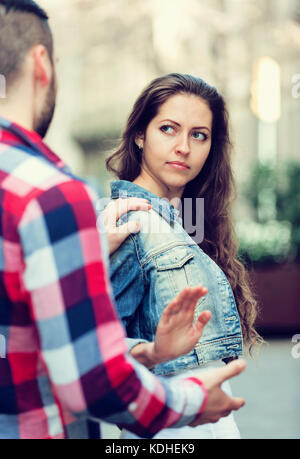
{"x": 158, "y": 188}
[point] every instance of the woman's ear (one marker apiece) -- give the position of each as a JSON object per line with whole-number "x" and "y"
{"x": 139, "y": 140}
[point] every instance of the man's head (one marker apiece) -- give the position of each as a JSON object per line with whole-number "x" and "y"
{"x": 26, "y": 59}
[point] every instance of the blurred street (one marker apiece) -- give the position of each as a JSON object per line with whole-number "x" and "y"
{"x": 271, "y": 388}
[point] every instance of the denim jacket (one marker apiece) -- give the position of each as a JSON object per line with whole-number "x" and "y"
{"x": 151, "y": 267}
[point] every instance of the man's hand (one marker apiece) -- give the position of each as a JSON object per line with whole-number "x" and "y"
{"x": 116, "y": 235}
{"x": 218, "y": 403}
{"x": 177, "y": 332}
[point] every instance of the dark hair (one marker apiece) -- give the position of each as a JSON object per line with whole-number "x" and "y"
{"x": 28, "y": 6}
{"x": 215, "y": 182}
{"x": 23, "y": 24}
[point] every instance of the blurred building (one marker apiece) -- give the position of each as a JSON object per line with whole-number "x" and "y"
{"x": 109, "y": 50}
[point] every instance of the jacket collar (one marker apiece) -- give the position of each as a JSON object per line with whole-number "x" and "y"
{"x": 125, "y": 189}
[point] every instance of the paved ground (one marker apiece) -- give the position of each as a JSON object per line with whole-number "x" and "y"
{"x": 271, "y": 387}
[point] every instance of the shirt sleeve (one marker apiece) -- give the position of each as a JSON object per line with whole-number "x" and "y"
{"x": 81, "y": 340}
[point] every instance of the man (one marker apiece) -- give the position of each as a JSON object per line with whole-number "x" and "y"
{"x": 66, "y": 359}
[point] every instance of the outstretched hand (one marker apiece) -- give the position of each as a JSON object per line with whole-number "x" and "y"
{"x": 177, "y": 332}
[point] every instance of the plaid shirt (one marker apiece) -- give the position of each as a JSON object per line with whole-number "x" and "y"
{"x": 66, "y": 362}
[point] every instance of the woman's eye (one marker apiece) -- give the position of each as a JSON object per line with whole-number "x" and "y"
{"x": 199, "y": 136}
{"x": 167, "y": 129}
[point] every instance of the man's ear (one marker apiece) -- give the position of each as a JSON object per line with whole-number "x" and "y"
{"x": 43, "y": 69}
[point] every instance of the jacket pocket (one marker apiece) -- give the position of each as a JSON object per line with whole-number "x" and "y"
{"x": 173, "y": 273}
{"x": 173, "y": 259}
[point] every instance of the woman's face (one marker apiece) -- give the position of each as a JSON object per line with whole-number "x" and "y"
{"x": 176, "y": 145}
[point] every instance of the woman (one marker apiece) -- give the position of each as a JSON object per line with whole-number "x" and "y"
{"x": 176, "y": 148}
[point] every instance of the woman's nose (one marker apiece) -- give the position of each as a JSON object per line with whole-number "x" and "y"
{"x": 183, "y": 146}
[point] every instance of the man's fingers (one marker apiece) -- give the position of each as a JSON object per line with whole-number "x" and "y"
{"x": 122, "y": 232}
{"x": 229, "y": 371}
{"x": 131, "y": 227}
{"x": 237, "y": 403}
{"x": 118, "y": 207}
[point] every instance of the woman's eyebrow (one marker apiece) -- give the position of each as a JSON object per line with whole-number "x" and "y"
{"x": 178, "y": 124}
{"x": 171, "y": 121}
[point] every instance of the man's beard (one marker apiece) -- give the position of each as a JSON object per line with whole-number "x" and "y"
{"x": 45, "y": 118}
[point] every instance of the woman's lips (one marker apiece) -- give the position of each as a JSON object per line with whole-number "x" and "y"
{"x": 178, "y": 165}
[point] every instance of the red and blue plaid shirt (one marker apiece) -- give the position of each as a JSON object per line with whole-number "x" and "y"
{"x": 65, "y": 359}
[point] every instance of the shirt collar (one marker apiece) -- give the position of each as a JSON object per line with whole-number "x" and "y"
{"x": 14, "y": 134}
{"x": 125, "y": 189}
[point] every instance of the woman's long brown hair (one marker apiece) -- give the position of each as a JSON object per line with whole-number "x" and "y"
{"x": 215, "y": 183}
